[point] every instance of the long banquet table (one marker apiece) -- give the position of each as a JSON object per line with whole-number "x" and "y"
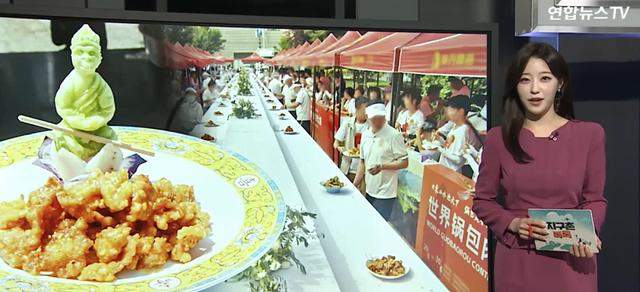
{"x": 255, "y": 140}
{"x": 348, "y": 228}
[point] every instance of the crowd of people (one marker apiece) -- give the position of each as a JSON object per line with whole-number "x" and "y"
{"x": 443, "y": 129}
{"x": 294, "y": 91}
{"x": 193, "y": 92}
{"x": 447, "y": 130}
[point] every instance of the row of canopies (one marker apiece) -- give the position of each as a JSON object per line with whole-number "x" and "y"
{"x": 406, "y": 52}
{"x": 178, "y": 56}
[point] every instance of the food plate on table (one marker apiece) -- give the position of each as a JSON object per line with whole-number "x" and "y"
{"x": 386, "y": 267}
{"x": 333, "y": 185}
{"x": 211, "y": 124}
{"x": 352, "y": 153}
{"x": 289, "y": 131}
{"x": 246, "y": 213}
{"x": 218, "y": 113}
{"x": 208, "y": 137}
{"x": 270, "y": 101}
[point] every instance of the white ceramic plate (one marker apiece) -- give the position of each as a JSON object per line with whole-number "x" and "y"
{"x": 247, "y": 211}
{"x": 407, "y": 269}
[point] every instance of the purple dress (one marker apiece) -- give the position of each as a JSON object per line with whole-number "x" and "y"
{"x": 566, "y": 173}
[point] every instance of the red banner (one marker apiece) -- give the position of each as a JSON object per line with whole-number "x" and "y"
{"x": 451, "y": 239}
{"x": 324, "y": 127}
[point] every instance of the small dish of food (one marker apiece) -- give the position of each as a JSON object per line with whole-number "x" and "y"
{"x": 218, "y": 113}
{"x": 354, "y": 152}
{"x": 386, "y": 267}
{"x": 289, "y": 130}
{"x": 270, "y": 100}
{"x": 208, "y": 137}
{"x": 333, "y": 185}
{"x": 211, "y": 124}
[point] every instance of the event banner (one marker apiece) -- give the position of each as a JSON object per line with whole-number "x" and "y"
{"x": 451, "y": 240}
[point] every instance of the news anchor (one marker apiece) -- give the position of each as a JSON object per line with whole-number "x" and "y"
{"x": 542, "y": 157}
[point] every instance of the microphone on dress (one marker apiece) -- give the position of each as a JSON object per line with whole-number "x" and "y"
{"x": 554, "y": 136}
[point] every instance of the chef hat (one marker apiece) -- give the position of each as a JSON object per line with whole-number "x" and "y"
{"x": 287, "y": 77}
{"x": 190, "y": 90}
{"x": 376, "y": 109}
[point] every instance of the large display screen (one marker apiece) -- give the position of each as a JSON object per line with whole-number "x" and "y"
{"x": 150, "y": 155}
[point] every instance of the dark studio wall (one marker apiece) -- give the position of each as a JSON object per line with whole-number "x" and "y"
{"x": 604, "y": 73}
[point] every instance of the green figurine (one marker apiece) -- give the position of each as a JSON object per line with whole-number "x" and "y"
{"x": 84, "y": 100}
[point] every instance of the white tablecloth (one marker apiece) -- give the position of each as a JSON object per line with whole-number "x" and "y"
{"x": 348, "y": 226}
{"x": 256, "y": 140}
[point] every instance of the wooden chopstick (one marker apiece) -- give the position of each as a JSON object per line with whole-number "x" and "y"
{"x": 83, "y": 135}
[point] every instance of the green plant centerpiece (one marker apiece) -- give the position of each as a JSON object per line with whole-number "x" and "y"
{"x": 244, "y": 86}
{"x": 262, "y": 275}
{"x": 243, "y": 109}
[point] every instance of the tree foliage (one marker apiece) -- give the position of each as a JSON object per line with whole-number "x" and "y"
{"x": 478, "y": 86}
{"x": 205, "y": 38}
{"x": 293, "y": 38}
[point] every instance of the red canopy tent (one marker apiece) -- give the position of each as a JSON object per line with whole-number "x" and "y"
{"x": 289, "y": 59}
{"x": 206, "y": 55}
{"x": 459, "y": 54}
{"x": 331, "y": 58}
{"x": 278, "y": 55}
{"x": 383, "y": 54}
{"x": 313, "y": 58}
{"x": 178, "y": 56}
{"x": 220, "y": 59}
{"x": 254, "y": 58}
{"x": 281, "y": 58}
{"x": 301, "y": 60}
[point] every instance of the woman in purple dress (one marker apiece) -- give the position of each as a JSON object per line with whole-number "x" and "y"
{"x": 541, "y": 157}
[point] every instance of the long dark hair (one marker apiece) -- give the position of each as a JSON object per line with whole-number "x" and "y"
{"x": 514, "y": 110}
